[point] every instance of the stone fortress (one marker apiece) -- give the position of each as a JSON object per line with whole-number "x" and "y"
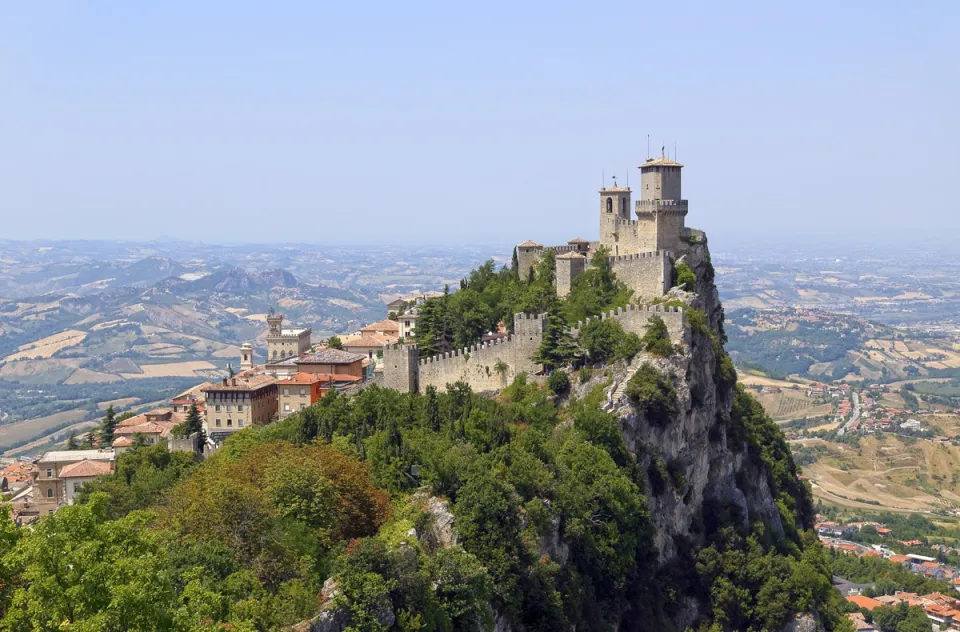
{"x": 642, "y": 251}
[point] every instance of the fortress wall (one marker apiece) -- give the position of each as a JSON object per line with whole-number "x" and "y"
{"x": 400, "y": 371}
{"x": 670, "y": 229}
{"x": 476, "y": 365}
{"x": 526, "y": 259}
{"x": 648, "y": 274}
{"x": 636, "y": 319}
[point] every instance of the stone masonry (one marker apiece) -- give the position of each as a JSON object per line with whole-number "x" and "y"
{"x": 478, "y": 365}
{"x": 643, "y": 244}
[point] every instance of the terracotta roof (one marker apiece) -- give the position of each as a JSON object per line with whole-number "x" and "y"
{"x": 898, "y": 559}
{"x": 571, "y": 255}
{"x": 578, "y": 240}
{"x": 302, "y": 378}
{"x": 123, "y": 442}
{"x": 370, "y": 340}
{"x": 662, "y": 161}
{"x": 86, "y": 468}
{"x": 383, "y": 325}
{"x": 161, "y": 428}
{"x": 330, "y": 356}
{"x": 864, "y": 602}
{"x": 18, "y": 471}
{"x": 326, "y": 378}
{"x": 529, "y": 244}
{"x": 251, "y": 383}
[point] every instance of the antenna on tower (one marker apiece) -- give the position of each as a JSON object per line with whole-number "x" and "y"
{"x": 648, "y": 146}
{"x": 603, "y": 178}
{"x": 628, "y": 178}
{"x": 674, "y": 151}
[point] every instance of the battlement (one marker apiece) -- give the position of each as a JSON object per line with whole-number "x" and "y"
{"x": 667, "y": 205}
{"x": 657, "y": 254}
{"x": 466, "y": 352}
{"x": 636, "y": 319}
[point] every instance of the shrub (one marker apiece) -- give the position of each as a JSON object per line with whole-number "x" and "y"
{"x": 559, "y": 382}
{"x": 653, "y": 394}
{"x": 685, "y": 277}
{"x": 628, "y": 346}
{"x": 656, "y": 340}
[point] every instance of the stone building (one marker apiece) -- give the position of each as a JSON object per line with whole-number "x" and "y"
{"x": 642, "y": 245}
{"x": 50, "y": 487}
{"x": 285, "y": 342}
{"x": 235, "y": 403}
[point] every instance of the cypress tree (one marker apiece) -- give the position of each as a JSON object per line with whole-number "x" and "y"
{"x": 107, "y": 426}
{"x": 72, "y": 441}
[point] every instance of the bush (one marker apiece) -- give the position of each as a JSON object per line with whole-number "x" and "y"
{"x": 656, "y": 340}
{"x": 685, "y": 277}
{"x": 653, "y": 394}
{"x": 559, "y": 382}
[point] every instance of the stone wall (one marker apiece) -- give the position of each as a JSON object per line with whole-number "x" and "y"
{"x": 636, "y": 319}
{"x": 477, "y": 365}
{"x": 648, "y": 274}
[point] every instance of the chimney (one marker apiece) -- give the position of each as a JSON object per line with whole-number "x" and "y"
{"x": 233, "y": 382}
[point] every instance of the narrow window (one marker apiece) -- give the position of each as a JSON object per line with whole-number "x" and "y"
{"x": 609, "y": 205}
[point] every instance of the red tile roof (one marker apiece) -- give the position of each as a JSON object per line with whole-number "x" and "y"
{"x": 384, "y": 325}
{"x": 86, "y": 468}
{"x": 864, "y": 602}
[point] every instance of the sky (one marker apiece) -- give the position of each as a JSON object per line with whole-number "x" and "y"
{"x": 467, "y": 123}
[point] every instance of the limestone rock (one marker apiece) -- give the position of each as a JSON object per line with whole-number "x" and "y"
{"x": 803, "y": 623}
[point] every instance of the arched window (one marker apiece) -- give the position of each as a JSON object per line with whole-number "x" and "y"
{"x": 623, "y": 205}
{"x": 49, "y": 492}
{"x": 609, "y": 205}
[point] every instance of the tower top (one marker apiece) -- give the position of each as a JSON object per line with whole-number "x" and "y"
{"x": 662, "y": 161}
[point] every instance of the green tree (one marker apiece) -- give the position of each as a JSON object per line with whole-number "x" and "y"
{"x": 653, "y": 394}
{"x": 596, "y": 290}
{"x": 656, "y": 339}
{"x": 515, "y": 264}
{"x": 107, "y": 426}
{"x": 72, "y": 443}
{"x": 557, "y": 347}
{"x": 334, "y": 342}
{"x": 685, "y": 277}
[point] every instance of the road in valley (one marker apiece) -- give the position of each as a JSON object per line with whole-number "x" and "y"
{"x": 855, "y": 416}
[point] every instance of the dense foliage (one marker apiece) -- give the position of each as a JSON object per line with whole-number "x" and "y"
{"x": 489, "y": 297}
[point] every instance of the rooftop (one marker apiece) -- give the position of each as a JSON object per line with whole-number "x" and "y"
{"x": 247, "y": 383}
{"x": 383, "y": 325}
{"x": 571, "y": 255}
{"x": 529, "y": 244}
{"x": 662, "y": 161}
{"x": 578, "y": 240}
{"x": 369, "y": 340}
{"x": 161, "y": 428}
{"x": 329, "y": 356}
{"x": 123, "y": 442}
{"x": 294, "y": 331}
{"x": 72, "y": 456}
{"x": 86, "y": 468}
{"x": 864, "y": 602}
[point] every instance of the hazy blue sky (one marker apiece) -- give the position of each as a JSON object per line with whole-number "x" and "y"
{"x": 392, "y": 122}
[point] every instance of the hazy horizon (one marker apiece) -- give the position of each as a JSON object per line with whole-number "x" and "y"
{"x": 441, "y": 124}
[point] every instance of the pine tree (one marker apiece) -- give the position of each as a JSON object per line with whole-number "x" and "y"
{"x": 195, "y": 424}
{"x": 557, "y": 347}
{"x": 515, "y": 264}
{"x": 90, "y": 440}
{"x": 107, "y": 426}
{"x": 334, "y": 343}
{"x": 432, "y": 409}
{"x": 72, "y": 443}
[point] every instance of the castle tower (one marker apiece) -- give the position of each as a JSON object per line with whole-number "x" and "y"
{"x": 661, "y": 203}
{"x": 401, "y": 368}
{"x": 246, "y": 356}
{"x": 527, "y": 254}
{"x": 614, "y": 210}
{"x": 569, "y": 267}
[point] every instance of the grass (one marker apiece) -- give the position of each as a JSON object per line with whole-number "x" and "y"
{"x": 26, "y": 430}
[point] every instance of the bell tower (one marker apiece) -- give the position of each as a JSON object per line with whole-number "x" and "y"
{"x": 614, "y": 211}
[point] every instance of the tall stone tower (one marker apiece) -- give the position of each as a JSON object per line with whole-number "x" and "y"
{"x": 275, "y": 321}
{"x": 661, "y": 202}
{"x": 614, "y": 215}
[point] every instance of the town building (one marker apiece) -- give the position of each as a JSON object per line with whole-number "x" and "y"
{"x": 238, "y": 402}
{"x": 331, "y": 361}
{"x": 298, "y": 391}
{"x": 408, "y": 323}
{"x": 76, "y": 474}
{"x": 50, "y": 489}
{"x": 284, "y": 342}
